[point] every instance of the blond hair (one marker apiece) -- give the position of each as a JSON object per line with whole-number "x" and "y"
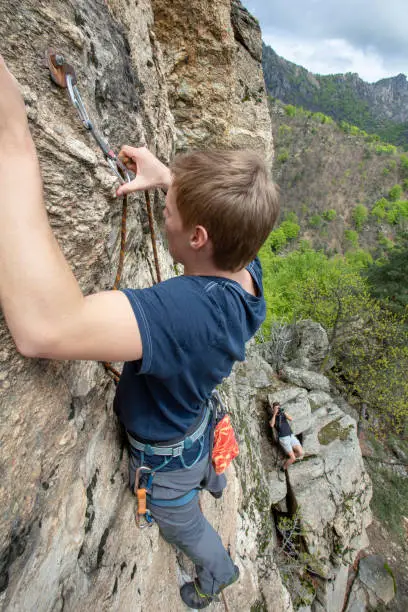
{"x": 231, "y": 195}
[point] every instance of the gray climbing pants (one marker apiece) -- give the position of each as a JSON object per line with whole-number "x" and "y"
{"x": 185, "y": 526}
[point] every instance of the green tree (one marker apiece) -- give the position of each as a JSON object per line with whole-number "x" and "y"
{"x": 351, "y": 238}
{"x": 290, "y": 229}
{"x": 359, "y": 258}
{"x": 379, "y": 209}
{"x": 404, "y": 165}
{"x": 283, "y": 156}
{"x": 329, "y": 215}
{"x": 395, "y": 193}
{"x": 359, "y": 215}
{"x": 316, "y": 220}
{"x": 276, "y": 240}
{"x": 290, "y": 110}
{"x": 369, "y": 343}
{"x": 388, "y": 279}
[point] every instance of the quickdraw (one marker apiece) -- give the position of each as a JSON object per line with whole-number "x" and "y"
{"x": 140, "y": 494}
{"x": 63, "y": 75}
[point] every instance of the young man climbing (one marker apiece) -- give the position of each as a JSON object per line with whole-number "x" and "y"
{"x": 179, "y": 339}
{"x": 288, "y": 441}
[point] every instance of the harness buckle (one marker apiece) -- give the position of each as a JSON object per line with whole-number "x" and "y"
{"x": 177, "y": 451}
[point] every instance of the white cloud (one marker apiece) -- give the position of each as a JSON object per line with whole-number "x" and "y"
{"x": 331, "y": 56}
{"x": 328, "y": 36}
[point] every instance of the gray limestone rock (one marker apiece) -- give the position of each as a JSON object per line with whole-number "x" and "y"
{"x": 312, "y": 348}
{"x": 299, "y": 409}
{"x": 306, "y": 378}
{"x": 358, "y": 600}
{"x": 259, "y": 371}
{"x": 373, "y": 574}
{"x": 319, "y": 398}
{"x": 246, "y": 30}
{"x": 331, "y": 598}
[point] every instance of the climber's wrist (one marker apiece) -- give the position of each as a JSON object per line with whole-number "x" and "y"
{"x": 165, "y": 179}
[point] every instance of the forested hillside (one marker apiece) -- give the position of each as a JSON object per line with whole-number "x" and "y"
{"x": 338, "y": 254}
{"x": 380, "y": 108}
{"x": 346, "y": 189}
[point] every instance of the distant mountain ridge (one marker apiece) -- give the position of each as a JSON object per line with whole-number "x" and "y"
{"x": 380, "y": 107}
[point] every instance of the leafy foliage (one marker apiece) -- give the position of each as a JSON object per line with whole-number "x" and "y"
{"x": 296, "y": 566}
{"x": 370, "y": 344}
{"x": 385, "y": 149}
{"x": 360, "y": 215}
{"x": 351, "y": 238}
{"x": 283, "y": 156}
{"x": 329, "y": 215}
{"x": 388, "y": 279}
{"x": 395, "y": 193}
{"x": 316, "y": 220}
{"x": 390, "y": 498}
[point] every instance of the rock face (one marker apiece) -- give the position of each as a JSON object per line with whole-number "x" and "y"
{"x": 329, "y": 487}
{"x": 174, "y": 77}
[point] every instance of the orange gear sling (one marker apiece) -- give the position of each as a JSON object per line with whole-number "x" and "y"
{"x": 225, "y": 447}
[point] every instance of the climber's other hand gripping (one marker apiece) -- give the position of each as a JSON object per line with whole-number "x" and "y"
{"x": 150, "y": 172}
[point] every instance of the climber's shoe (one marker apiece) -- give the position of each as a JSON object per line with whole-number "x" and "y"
{"x": 194, "y": 598}
{"x": 281, "y": 473}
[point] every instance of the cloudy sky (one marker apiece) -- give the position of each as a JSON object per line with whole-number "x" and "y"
{"x": 369, "y": 37}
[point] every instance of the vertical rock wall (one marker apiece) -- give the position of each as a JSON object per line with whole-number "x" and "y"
{"x": 170, "y": 78}
{"x": 212, "y": 58}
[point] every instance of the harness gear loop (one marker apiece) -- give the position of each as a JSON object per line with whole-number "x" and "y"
{"x": 140, "y": 493}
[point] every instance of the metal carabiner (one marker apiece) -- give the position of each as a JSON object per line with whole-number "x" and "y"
{"x": 117, "y": 167}
{"x": 115, "y": 164}
{"x": 146, "y": 512}
{"x": 77, "y": 102}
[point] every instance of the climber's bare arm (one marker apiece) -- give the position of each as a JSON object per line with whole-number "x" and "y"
{"x": 289, "y": 417}
{"x": 41, "y": 300}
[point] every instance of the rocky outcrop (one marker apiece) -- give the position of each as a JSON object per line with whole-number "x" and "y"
{"x": 211, "y": 55}
{"x": 329, "y": 489}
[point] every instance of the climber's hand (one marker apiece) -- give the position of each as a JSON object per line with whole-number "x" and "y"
{"x": 13, "y": 118}
{"x": 150, "y": 172}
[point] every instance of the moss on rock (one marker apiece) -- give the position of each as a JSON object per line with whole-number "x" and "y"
{"x": 333, "y": 431}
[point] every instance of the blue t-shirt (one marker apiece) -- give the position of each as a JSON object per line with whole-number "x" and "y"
{"x": 193, "y": 329}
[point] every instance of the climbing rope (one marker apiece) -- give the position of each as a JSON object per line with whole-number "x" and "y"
{"x": 63, "y": 75}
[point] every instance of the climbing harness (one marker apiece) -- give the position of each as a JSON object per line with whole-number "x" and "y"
{"x": 63, "y": 75}
{"x": 174, "y": 450}
{"x": 168, "y": 452}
